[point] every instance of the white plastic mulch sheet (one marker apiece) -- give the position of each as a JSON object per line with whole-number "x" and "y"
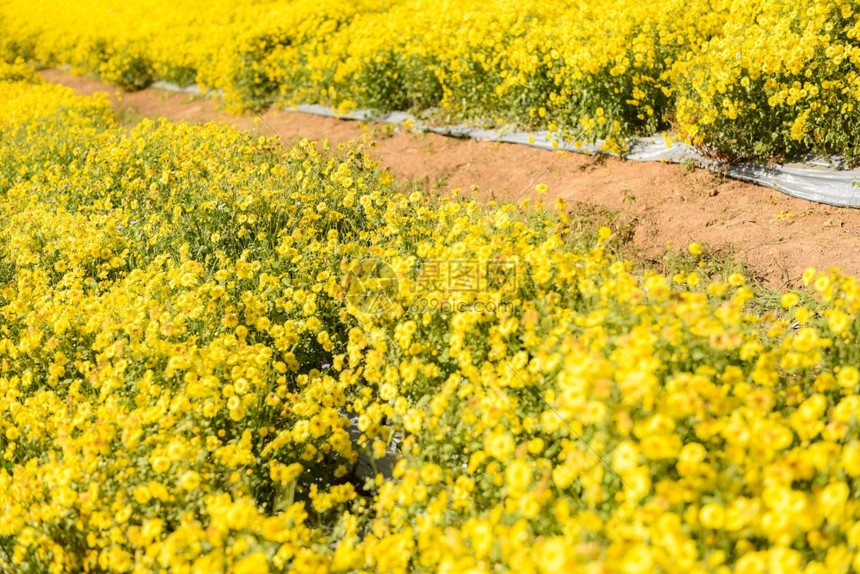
{"x": 814, "y": 181}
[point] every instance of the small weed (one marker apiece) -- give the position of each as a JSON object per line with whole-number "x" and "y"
{"x": 596, "y": 160}
{"x": 127, "y": 117}
{"x": 687, "y": 166}
{"x": 440, "y": 184}
{"x": 587, "y": 218}
{"x": 627, "y": 196}
{"x": 379, "y": 131}
{"x": 192, "y": 97}
{"x": 715, "y": 264}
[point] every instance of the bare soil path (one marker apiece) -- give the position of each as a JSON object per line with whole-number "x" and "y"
{"x": 775, "y": 236}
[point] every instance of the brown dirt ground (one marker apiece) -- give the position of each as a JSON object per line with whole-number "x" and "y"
{"x": 651, "y": 202}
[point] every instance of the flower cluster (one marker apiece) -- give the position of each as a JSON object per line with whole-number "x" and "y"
{"x": 750, "y": 78}
{"x": 781, "y": 80}
{"x": 185, "y": 387}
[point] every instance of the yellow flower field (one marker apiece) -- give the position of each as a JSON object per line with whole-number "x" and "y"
{"x": 749, "y": 79}
{"x": 188, "y": 373}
